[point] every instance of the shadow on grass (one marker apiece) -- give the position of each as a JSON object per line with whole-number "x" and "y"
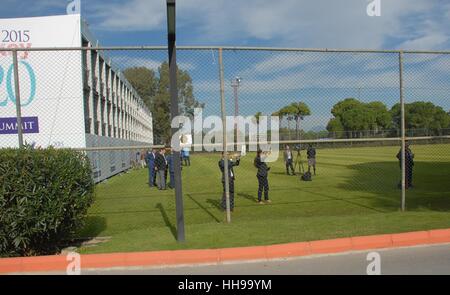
{"x": 431, "y": 184}
{"x": 166, "y": 219}
{"x": 93, "y": 227}
{"x": 204, "y": 208}
{"x": 215, "y": 203}
{"x": 248, "y": 197}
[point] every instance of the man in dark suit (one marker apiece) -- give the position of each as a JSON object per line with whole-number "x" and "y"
{"x": 150, "y": 159}
{"x": 261, "y": 175}
{"x": 231, "y": 178}
{"x": 311, "y": 153}
{"x": 170, "y": 167}
{"x": 409, "y": 164}
{"x": 160, "y": 167}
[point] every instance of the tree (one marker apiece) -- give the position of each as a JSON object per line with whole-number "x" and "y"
{"x": 345, "y": 105}
{"x": 383, "y": 117}
{"x": 295, "y": 111}
{"x": 357, "y": 118}
{"x": 335, "y": 128}
{"x": 422, "y": 115}
{"x": 257, "y": 116}
{"x": 299, "y": 110}
{"x": 155, "y": 93}
{"x": 144, "y": 81}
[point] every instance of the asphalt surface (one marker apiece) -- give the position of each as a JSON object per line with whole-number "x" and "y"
{"x": 419, "y": 260}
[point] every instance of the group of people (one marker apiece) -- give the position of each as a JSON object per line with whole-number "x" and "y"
{"x": 289, "y": 160}
{"x": 261, "y": 175}
{"x": 160, "y": 164}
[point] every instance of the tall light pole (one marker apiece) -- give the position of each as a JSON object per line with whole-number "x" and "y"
{"x": 235, "y": 83}
{"x": 174, "y": 110}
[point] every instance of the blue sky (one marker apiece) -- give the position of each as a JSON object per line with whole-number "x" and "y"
{"x": 418, "y": 24}
{"x": 273, "y": 79}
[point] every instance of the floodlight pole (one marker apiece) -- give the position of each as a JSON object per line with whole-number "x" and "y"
{"x": 174, "y": 111}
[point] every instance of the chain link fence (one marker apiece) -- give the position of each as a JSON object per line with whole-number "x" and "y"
{"x": 113, "y": 104}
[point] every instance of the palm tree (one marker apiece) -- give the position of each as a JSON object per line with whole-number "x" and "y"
{"x": 289, "y": 119}
{"x": 298, "y": 110}
{"x": 257, "y": 116}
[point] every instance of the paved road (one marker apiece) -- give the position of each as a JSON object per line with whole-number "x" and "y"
{"x": 434, "y": 259}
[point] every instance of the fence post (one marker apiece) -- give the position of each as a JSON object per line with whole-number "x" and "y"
{"x": 17, "y": 94}
{"x": 224, "y": 139}
{"x": 174, "y": 112}
{"x": 403, "y": 133}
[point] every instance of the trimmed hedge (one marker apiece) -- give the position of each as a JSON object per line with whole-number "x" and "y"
{"x": 44, "y": 197}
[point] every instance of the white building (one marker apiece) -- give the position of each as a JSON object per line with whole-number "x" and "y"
{"x": 73, "y": 99}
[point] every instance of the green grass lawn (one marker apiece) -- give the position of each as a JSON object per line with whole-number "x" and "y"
{"x": 355, "y": 193}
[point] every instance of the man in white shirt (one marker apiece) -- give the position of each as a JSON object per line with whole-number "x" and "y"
{"x": 288, "y": 160}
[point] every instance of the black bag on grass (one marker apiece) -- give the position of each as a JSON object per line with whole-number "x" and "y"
{"x": 307, "y": 176}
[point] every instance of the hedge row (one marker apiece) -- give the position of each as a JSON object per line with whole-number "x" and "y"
{"x": 44, "y": 197}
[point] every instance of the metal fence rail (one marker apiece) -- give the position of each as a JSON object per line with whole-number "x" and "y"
{"x": 113, "y": 105}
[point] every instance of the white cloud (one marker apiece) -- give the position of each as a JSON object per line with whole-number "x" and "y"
{"x": 127, "y": 62}
{"x": 134, "y": 15}
{"x": 296, "y": 23}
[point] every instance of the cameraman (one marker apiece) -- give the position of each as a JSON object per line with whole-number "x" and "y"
{"x": 311, "y": 153}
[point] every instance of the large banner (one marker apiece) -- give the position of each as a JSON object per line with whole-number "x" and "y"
{"x": 51, "y": 89}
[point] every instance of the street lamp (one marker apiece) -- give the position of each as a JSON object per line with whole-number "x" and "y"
{"x": 174, "y": 110}
{"x": 235, "y": 83}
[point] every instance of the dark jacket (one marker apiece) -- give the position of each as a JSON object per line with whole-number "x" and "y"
{"x": 169, "y": 159}
{"x": 150, "y": 159}
{"x": 409, "y": 157}
{"x": 231, "y": 164}
{"x": 160, "y": 162}
{"x": 261, "y": 166}
{"x": 311, "y": 153}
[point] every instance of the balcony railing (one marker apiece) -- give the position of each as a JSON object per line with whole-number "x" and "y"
{"x": 88, "y": 123}
{"x": 95, "y": 84}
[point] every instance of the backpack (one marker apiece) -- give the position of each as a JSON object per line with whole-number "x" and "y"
{"x": 307, "y": 176}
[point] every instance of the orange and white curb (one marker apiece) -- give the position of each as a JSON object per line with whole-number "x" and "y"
{"x": 215, "y": 256}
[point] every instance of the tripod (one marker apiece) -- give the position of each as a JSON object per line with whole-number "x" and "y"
{"x": 299, "y": 162}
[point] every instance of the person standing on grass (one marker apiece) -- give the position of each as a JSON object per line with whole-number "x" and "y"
{"x": 151, "y": 157}
{"x": 288, "y": 160}
{"x": 170, "y": 168}
{"x": 262, "y": 176}
{"x": 186, "y": 157}
{"x": 160, "y": 167}
{"x": 311, "y": 154}
{"x": 409, "y": 164}
{"x": 231, "y": 178}
{"x": 143, "y": 155}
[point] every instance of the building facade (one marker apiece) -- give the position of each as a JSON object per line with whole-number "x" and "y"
{"x": 71, "y": 98}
